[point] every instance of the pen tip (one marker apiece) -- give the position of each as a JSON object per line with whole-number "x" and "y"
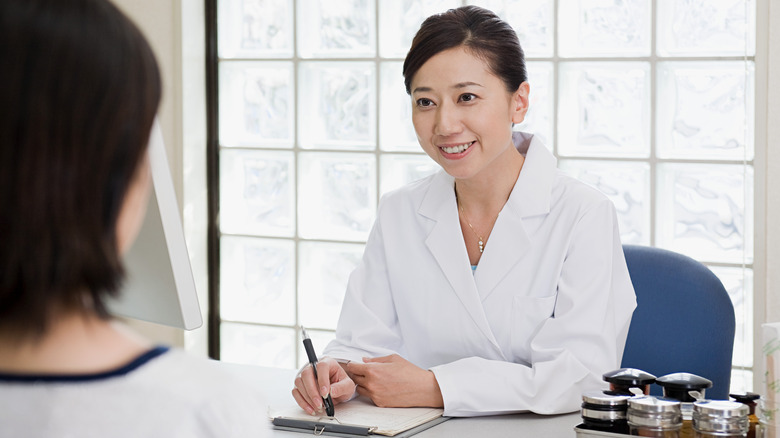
{"x": 303, "y": 330}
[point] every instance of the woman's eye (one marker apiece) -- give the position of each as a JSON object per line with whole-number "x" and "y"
{"x": 467, "y": 97}
{"x": 423, "y": 102}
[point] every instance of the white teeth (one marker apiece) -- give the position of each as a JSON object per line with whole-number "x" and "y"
{"x": 457, "y": 149}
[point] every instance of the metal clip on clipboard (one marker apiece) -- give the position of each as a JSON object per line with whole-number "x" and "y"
{"x": 321, "y": 427}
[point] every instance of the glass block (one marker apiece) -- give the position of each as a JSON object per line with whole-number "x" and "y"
{"x": 399, "y": 21}
{"x": 741, "y": 381}
{"x": 323, "y": 272}
{"x": 397, "y": 170}
{"x": 257, "y": 193}
{"x": 604, "y": 109}
{"x": 256, "y": 104}
{"x": 531, "y": 19}
{"x": 257, "y": 280}
{"x": 337, "y": 195}
{"x": 627, "y": 185}
{"x": 539, "y": 118}
{"x": 706, "y": 109}
{"x": 337, "y": 105}
{"x": 604, "y": 28}
{"x": 706, "y": 28}
{"x": 739, "y": 284}
{"x": 319, "y": 340}
{"x": 336, "y": 28}
{"x": 396, "y": 131}
{"x": 255, "y": 28}
{"x": 706, "y": 211}
{"x": 257, "y": 345}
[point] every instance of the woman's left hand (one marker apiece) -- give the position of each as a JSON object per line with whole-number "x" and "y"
{"x": 392, "y": 381}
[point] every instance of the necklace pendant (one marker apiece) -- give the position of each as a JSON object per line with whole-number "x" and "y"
{"x": 481, "y": 246}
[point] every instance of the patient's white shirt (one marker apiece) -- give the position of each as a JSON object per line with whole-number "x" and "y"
{"x": 162, "y": 393}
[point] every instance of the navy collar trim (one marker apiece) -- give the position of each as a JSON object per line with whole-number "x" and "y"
{"x": 76, "y": 378}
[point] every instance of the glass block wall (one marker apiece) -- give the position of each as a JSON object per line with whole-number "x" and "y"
{"x": 649, "y": 101}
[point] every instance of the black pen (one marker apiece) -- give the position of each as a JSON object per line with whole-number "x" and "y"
{"x": 327, "y": 401}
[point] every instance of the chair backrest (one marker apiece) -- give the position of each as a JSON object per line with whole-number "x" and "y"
{"x": 684, "y": 320}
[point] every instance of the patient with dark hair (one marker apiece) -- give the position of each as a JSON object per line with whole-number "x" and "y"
{"x": 80, "y": 92}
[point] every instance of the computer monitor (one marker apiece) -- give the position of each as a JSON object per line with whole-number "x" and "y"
{"x": 159, "y": 286}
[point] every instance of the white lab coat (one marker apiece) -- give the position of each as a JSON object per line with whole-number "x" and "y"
{"x": 543, "y": 317}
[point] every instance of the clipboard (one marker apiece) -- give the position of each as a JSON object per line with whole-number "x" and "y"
{"x": 360, "y": 417}
{"x": 319, "y": 428}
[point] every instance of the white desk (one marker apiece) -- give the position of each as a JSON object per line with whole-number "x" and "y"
{"x": 276, "y": 385}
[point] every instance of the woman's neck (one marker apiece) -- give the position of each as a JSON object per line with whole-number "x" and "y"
{"x": 482, "y": 197}
{"x": 486, "y": 193}
{"x": 74, "y": 343}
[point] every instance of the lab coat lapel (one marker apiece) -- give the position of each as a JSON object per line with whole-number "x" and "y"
{"x": 447, "y": 246}
{"x": 509, "y": 241}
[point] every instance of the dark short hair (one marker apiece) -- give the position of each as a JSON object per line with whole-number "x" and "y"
{"x": 479, "y": 31}
{"x": 80, "y": 91}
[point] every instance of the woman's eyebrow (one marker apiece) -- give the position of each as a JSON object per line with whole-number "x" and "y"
{"x": 457, "y": 86}
{"x": 466, "y": 84}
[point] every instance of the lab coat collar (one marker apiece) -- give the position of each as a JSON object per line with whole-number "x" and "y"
{"x": 530, "y": 197}
{"x": 449, "y": 250}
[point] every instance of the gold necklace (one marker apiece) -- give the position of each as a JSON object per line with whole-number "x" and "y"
{"x": 481, "y": 240}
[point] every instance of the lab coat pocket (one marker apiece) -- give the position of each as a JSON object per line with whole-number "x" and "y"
{"x": 528, "y": 316}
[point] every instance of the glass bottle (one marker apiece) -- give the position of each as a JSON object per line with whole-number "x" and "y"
{"x": 623, "y": 379}
{"x": 720, "y": 419}
{"x": 605, "y": 411}
{"x": 749, "y": 399}
{"x": 678, "y": 386}
{"x": 654, "y": 417}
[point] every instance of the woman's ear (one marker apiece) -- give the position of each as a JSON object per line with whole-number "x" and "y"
{"x": 520, "y": 103}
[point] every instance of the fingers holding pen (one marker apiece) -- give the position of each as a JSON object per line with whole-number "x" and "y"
{"x": 307, "y": 392}
{"x": 302, "y": 401}
{"x": 331, "y": 379}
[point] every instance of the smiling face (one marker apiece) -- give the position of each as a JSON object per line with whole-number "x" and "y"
{"x": 463, "y": 114}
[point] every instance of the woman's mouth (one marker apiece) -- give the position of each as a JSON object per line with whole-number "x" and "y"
{"x": 458, "y": 148}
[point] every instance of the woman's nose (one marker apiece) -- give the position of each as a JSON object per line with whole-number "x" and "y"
{"x": 447, "y": 121}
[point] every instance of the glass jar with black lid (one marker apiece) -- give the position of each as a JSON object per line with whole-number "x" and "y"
{"x": 686, "y": 388}
{"x": 623, "y": 379}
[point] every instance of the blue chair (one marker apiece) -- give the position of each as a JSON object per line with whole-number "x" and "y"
{"x": 684, "y": 320}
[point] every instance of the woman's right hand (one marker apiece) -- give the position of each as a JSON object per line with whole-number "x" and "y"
{"x": 333, "y": 380}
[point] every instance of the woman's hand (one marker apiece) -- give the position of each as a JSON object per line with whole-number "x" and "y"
{"x": 392, "y": 381}
{"x": 333, "y": 380}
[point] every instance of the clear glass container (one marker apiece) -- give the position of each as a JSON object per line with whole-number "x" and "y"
{"x": 720, "y": 418}
{"x": 654, "y": 417}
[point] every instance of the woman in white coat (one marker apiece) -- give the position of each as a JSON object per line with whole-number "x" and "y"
{"x": 497, "y": 285}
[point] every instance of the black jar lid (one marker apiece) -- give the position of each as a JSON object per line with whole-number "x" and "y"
{"x": 677, "y": 385}
{"x": 746, "y": 398}
{"x": 629, "y": 378}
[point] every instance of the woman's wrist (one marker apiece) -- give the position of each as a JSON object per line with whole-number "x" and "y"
{"x": 436, "y": 399}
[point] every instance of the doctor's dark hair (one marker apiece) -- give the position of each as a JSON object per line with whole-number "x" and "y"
{"x": 80, "y": 91}
{"x": 478, "y": 30}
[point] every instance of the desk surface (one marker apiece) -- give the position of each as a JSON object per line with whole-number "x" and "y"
{"x": 276, "y": 384}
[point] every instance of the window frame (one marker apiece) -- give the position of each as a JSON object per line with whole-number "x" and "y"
{"x": 761, "y": 133}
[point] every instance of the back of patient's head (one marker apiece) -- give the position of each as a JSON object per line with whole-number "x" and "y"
{"x": 80, "y": 90}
